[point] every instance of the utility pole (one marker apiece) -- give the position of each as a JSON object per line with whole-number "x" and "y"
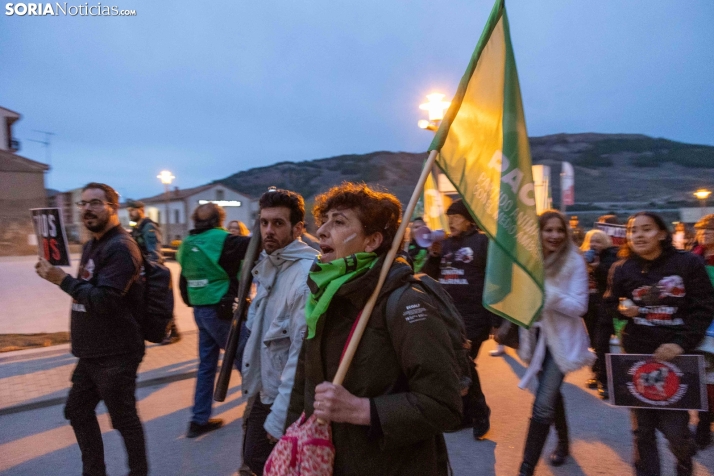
{"x": 48, "y": 153}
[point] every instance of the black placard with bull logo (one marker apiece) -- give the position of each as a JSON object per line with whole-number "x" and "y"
{"x": 637, "y": 380}
{"x": 51, "y": 237}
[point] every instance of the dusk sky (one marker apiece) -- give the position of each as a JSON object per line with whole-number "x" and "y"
{"x": 206, "y": 89}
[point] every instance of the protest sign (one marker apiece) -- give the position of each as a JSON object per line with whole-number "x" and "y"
{"x": 639, "y": 381}
{"x": 618, "y": 233}
{"x": 51, "y": 236}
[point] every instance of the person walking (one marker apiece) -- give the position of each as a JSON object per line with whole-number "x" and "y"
{"x": 705, "y": 248}
{"x": 147, "y": 235}
{"x": 276, "y": 322}
{"x": 210, "y": 260}
{"x": 599, "y": 254}
{"x": 105, "y": 334}
{"x": 668, "y": 300}
{"x": 557, "y": 343}
{"x": 402, "y": 390}
{"x": 459, "y": 264}
{"x": 236, "y": 227}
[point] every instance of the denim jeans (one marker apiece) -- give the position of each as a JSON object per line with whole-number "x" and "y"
{"x": 212, "y": 337}
{"x": 674, "y": 426}
{"x": 548, "y": 395}
{"x": 112, "y": 379}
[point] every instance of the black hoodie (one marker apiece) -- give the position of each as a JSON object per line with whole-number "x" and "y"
{"x": 461, "y": 270}
{"x": 674, "y": 295}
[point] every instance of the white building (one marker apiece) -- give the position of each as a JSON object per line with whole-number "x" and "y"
{"x": 691, "y": 215}
{"x": 182, "y": 203}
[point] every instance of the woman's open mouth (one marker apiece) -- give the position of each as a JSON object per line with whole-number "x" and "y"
{"x": 326, "y": 249}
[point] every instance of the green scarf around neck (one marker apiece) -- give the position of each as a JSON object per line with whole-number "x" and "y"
{"x": 325, "y": 279}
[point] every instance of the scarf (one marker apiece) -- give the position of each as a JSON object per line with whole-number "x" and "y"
{"x": 325, "y": 279}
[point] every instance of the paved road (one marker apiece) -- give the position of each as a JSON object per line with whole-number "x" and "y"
{"x": 32, "y": 305}
{"x": 40, "y": 442}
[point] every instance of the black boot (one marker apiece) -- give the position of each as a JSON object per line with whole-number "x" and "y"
{"x": 561, "y": 452}
{"x": 537, "y": 434}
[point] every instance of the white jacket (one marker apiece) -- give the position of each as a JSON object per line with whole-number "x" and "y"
{"x": 561, "y": 325}
{"x": 276, "y": 319}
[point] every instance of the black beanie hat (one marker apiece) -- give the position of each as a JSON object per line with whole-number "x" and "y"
{"x": 458, "y": 208}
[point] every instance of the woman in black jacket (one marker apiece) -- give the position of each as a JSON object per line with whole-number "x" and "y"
{"x": 401, "y": 391}
{"x": 669, "y": 301}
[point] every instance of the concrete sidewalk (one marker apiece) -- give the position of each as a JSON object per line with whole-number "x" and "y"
{"x": 31, "y": 379}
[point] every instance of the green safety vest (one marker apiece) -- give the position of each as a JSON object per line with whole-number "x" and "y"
{"x": 198, "y": 255}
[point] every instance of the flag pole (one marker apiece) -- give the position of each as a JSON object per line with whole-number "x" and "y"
{"x": 246, "y": 278}
{"x": 391, "y": 255}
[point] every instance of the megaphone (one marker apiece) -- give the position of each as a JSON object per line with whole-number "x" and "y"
{"x": 425, "y": 237}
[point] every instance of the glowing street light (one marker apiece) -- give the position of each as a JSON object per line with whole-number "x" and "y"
{"x": 166, "y": 178}
{"x": 702, "y": 194}
{"x": 436, "y": 108}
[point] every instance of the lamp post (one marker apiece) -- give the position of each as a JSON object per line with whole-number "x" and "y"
{"x": 702, "y": 194}
{"x": 436, "y": 107}
{"x": 166, "y": 178}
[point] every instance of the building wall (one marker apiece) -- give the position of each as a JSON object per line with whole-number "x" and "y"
{"x": 692, "y": 215}
{"x": 18, "y": 194}
{"x": 23, "y": 186}
{"x": 180, "y": 210}
{"x": 242, "y": 213}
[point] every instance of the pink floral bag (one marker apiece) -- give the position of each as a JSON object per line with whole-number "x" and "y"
{"x": 304, "y": 450}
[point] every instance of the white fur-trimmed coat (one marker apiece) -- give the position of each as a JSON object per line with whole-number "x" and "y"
{"x": 561, "y": 323}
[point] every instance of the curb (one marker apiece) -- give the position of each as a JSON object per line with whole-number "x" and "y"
{"x": 24, "y": 407}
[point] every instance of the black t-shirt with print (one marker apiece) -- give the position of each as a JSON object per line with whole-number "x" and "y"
{"x": 103, "y": 296}
{"x": 675, "y": 299}
{"x": 461, "y": 270}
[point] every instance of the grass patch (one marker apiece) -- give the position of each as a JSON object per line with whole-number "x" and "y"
{"x": 11, "y": 342}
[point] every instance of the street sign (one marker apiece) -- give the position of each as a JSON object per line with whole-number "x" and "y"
{"x": 51, "y": 236}
{"x": 639, "y": 381}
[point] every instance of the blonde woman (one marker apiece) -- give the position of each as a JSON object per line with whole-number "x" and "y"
{"x": 557, "y": 343}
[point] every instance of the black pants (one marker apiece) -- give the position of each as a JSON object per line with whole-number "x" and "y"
{"x": 112, "y": 379}
{"x": 475, "y": 401}
{"x": 674, "y": 426}
{"x": 591, "y": 316}
{"x": 256, "y": 446}
{"x": 605, "y": 329}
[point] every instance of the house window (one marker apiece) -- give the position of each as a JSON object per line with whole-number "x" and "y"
{"x": 158, "y": 217}
{"x": 220, "y": 195}
{"x": 176, "y": 216}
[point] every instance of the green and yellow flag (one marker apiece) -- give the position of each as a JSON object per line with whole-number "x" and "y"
{"x": 483, "y": 149}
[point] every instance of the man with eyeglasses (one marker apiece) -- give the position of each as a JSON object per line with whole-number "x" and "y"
{"x": 105, "y": 334}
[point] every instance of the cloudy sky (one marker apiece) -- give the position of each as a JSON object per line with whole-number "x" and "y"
{"x": 206, "y": 89}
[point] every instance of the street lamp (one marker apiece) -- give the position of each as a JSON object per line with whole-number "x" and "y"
{"x": 702, "y": 194}
{"x": 436, "y": 108}
{"x": 166, "y": 178}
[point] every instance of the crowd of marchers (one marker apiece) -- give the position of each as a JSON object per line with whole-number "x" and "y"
{"x": 404, "y": 389}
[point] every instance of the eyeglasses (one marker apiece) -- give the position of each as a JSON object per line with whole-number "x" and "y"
{"x": 95, "y": 204}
